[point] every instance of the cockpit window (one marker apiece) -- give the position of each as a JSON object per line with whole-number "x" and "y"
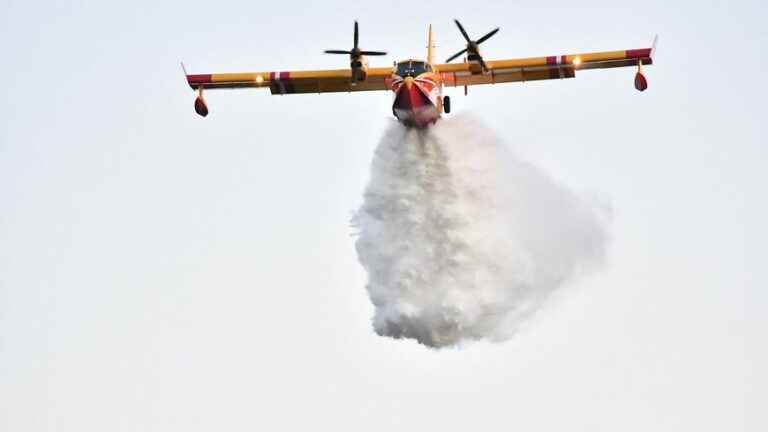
{"x": 412, "y": 68}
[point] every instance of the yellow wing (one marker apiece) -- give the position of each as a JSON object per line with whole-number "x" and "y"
{"x": 319, "y": 81}
{"x": 539, "y": 68}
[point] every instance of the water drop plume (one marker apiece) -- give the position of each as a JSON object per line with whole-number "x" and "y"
{"x": 461, "y": 239}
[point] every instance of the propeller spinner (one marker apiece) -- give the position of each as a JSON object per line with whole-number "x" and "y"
{"x": 472, "y": 49}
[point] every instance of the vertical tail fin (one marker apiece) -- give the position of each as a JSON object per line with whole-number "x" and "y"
{"x": 430, "y": 46}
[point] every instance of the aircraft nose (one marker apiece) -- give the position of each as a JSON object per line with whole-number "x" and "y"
{"x": 409, "y": 97}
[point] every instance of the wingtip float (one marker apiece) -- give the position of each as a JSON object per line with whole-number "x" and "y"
{"x": 418, "y": 85}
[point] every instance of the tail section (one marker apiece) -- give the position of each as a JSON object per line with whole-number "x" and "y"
{"x": 430, "y": 46}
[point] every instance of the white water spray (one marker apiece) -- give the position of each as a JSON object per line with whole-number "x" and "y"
{"x": 461, "y": 240}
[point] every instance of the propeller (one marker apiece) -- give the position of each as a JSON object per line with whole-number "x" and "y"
{"x": 356, "y": 52}
{"x": 472, "y": 49}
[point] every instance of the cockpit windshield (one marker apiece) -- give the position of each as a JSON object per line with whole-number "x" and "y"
{"x": 412, "y": 68}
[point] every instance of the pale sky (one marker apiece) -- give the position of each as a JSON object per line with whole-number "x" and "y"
{"x": 159, "y": 271}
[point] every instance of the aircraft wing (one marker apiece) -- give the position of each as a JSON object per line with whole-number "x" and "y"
{"x": 540, "y": 68}
{"x": 281, "y": 83}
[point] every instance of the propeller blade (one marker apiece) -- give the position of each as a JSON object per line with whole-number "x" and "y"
{"x": 486, "y": 37}
{"x": 373, "y": 53}
{"x": 456, "y": 55}
{"x": 463, "y": 32}
{"x": 337, "y": 52}
{"x": 357, "y": 34}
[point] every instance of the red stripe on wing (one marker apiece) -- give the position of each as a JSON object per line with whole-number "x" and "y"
{"x": 197, "y": 80}
{"x": 639, "y": 53}
{"x": 553, "y": 72}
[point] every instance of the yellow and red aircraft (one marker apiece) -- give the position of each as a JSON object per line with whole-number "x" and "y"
{"x": 417, "y": 84}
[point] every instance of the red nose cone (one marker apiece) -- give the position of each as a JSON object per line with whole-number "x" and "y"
{"x": 640, "y": 82}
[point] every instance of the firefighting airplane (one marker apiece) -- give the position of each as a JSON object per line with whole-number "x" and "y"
{"x": 418, "y": 85}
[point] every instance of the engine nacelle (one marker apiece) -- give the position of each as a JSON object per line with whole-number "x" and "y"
{"x": 475, "y": 67}
{"x": 359, "y": 69}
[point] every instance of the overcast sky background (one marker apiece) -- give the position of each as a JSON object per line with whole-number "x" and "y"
{"x": 159, "y": 271}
